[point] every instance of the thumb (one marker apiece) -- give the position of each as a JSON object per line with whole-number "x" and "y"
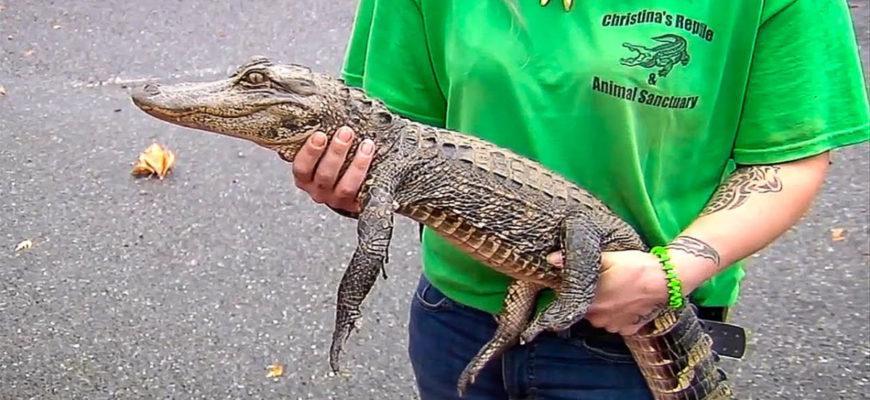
{"x": 556, "y": 259}
{"x": 607, "y": 260}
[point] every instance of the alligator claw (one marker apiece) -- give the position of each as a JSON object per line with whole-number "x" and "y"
{"x": 579, "y": 280}
{"x": 358, "y": 279}
{"x": 519, "y": 304}
{"x": 339, "y": 338}
{"x": 558, "y": 316}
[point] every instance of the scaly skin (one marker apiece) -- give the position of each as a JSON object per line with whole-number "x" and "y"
{"x": 504, "y": 210}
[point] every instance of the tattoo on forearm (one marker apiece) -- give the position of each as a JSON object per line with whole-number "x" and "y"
{"x": 695, "y": 247}
{"x": 744, "y": 182}
{"x": 650, "y": 315}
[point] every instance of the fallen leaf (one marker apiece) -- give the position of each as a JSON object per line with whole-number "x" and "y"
{"x": 275, "y": 370}
{"x": 2, "y": 91}
{"x": 55, "y": 27}
{"x": 838, "y": 234}
{"x": 29, "y": 52}
{"x": 155, "y": 160}
{"x": 24, "y": 245}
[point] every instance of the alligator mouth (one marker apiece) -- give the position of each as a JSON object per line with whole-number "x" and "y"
{"x": 188, "y": 119}
{"x": 148, "y": 99}
{"x": 163, "y": 112}
{"x": 268, "y": 143}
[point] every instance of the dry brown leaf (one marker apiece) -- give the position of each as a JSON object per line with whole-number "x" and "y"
{"x": 24, "y": 245}
{"x": 838, "y": 234}
{"x": 275, "y": 370}
{"x": 155, "y": 160}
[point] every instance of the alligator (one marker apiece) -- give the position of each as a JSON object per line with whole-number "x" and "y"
{"x": 671, "y": 52}
{"x": 505, "y": 210}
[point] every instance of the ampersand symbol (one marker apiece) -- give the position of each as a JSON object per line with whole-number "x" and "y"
{"x": 652, "y": 79}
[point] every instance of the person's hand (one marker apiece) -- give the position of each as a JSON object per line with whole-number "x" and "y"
{"x": 632, "y": 290}
{"x": 317, "y": 166}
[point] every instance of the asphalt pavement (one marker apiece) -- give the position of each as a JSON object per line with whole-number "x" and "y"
{"x": 189, "y": 287}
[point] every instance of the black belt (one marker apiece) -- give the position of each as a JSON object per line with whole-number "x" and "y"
{"x": 728, "y": 340}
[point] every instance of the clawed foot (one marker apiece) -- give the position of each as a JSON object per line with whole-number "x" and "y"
{"x": 518, "y": 307}
{"x": 466, "y": 379}
{"x": 558, "y": 316}
{"x": 340, "y": 336}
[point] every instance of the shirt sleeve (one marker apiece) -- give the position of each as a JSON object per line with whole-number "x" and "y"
{"x": 388, "y": 58}
{"x": 805, "y": 93}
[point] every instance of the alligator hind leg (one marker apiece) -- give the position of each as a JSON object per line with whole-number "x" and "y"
{"x": 374, "y": 230}
{"x": 518, "y": 307}
{"x": 579, "y": 279}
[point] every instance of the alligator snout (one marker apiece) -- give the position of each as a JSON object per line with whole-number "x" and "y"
{"x": 151, "y": 89}
{"x": 142, "y": 95}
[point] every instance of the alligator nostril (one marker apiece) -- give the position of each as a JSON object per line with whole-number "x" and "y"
{"x": 151, "y": 89}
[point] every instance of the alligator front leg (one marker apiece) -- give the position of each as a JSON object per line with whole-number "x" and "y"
{"x": 579, "y": 279}
{"x": 518, "y": 307}
{"x": 374, "y": 231}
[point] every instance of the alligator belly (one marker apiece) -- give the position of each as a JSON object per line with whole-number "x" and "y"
{"x": 487, "y": 248}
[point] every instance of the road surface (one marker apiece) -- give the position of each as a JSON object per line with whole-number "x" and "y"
{"x": 189, "y": 287}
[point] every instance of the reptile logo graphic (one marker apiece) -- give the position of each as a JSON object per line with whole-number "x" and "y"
{"x": 671, "y": 51}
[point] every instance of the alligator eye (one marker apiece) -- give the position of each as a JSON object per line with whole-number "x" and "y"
{"x": 255, "y": 78}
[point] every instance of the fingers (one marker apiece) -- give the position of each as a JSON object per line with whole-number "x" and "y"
{"x": 317, "y": 169}
{"x": 556, "y": 259}
{"x": 630, "y": 330}
{"x": 348, "y": 186}
{"x": 326, "y": 173}
{"x": 306, "y": 159}
{"x": 625, "y": 325}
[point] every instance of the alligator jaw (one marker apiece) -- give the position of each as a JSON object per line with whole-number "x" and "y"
{"x": 180, "y": 106}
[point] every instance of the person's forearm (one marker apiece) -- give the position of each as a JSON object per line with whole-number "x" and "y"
{"x": 749, "y": 211}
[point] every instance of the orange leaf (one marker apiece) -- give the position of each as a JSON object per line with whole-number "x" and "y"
{"x": 155, "y": 160}
{"x": 275, "y": 370}
{"x": 838, "y": 234}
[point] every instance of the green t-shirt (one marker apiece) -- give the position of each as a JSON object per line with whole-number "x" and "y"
{"x": 649, "y": 106}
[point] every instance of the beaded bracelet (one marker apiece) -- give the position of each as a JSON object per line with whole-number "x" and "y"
{"x": 675, "y": 287}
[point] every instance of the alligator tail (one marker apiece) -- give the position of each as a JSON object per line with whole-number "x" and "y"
{"x": 676, "y": 358}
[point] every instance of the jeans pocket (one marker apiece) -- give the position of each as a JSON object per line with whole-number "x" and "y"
{"x": 607, "y": 349}
{"x": 430, "y": 298}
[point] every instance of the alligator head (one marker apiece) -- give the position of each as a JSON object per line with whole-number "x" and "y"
{"x": 275, "y": 106}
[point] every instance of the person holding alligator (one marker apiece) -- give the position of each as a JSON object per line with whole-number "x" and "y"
{"x": 708, "y": 128}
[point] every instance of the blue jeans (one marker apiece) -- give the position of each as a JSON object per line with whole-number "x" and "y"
{"x": 445, "y": 335}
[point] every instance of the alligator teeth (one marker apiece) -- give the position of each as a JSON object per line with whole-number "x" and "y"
{"x": 545, "y": 2}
